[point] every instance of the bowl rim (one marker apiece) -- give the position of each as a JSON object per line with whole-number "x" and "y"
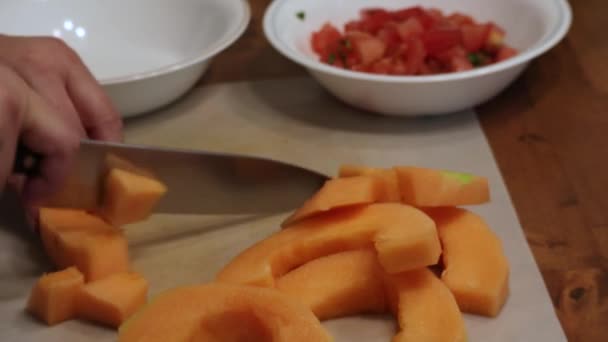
{"x": 233, "y": 33}
{"x": 553, "y": 38}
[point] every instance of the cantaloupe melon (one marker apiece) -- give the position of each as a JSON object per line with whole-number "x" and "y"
{"x": 426, "y": 309}
{"x": 353, "y": 282}
{"x": 403, "y": 237}
{"x": 129, "y": 197}
{"x": 53, "y": 297}
{"x": 476, "y": 269}
{"x": 338, "y": 285}
{"x": 223, "y": 313}
{"x": 338, "y": 193}
{"x": 113, "y": 299}
{"x": 388, "y": 177}
{"x": 76, "y": 238}
{"x": 422, "y": 187}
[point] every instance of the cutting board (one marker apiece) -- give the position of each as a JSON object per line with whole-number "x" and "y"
{"x": 296, "y": 121}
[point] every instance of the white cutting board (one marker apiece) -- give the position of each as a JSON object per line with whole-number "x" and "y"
{"x": 296, "y": 121}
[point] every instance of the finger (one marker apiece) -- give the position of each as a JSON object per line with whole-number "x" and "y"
{"x": 55, "y": 140}
{"x": 100, "y": 118}
{"x": 53, "y": 89}
{"x": 13, "y": 101}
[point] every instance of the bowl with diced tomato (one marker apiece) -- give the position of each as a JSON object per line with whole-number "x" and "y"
{"x": 404, "y": 57}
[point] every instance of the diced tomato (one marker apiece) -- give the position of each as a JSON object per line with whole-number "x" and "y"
{"x": 409, "y": 28}
{"x": 460, "y": 20}
{"x": 325, "y": 40}
{"x": 505, "y": 52}
{"x": 474, "y": 36}
{"x": 437, "y": 41}
{"x": 390, "y": 37}
{"x": 411, "y": 41}
{"x": 495, "y": 38}
{"x": 415, "y": 56}
{"x": 382, "y": 66}
{"x": 367, "y": 47}
{"x": 375, "y": 19}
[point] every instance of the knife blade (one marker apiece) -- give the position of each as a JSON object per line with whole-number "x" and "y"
{"x": 199, "y": 182}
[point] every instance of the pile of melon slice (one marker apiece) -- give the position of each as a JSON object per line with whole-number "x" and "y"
{"x": 369, "y": 241}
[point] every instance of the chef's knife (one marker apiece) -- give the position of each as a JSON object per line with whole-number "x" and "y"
{"x": 198, "y": 182}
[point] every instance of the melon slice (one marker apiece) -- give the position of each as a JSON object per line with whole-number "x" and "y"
{"x": 422, "y": 187}
{"x": 403, "y": 236}
{"x": 426, "y": 309}
{"x": 353, "y": 282}
{"x": 338, "y": 285}
{"x": 476, "y": 268}
{"x": 112, "y": 300}
{"x": 223, "y": 313}
{"x": 53, "y": 297}
{"x": 129, "y": 197}
{"x": 76, "y": 238}
{"x": 339, "y": 193}
{"x": 388, "y": 177}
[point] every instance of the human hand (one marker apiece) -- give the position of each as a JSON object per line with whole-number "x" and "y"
{"x": 58, "y": 75}
{"x": 25, "y": 116}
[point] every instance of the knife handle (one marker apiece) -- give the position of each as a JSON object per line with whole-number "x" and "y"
{"x": 27, "y": 162}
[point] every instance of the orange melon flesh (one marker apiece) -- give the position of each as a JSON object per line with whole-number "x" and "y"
{"x": 353, "y": 282}
{"x": 426, "y": 309}
{"x": 76, "y": 238}
{"x": 97, "y": 255}
{"x": 53, "y": 297}
{"x": 388, "y": 177}
{"x": 223, "y": 313}
{"x": 423, "y": 187}
{"x": 129, "y": 197}
{"x": 112, "y": 300}
{"x": 399, "y": 234}
{"x": 338, "y": 285}
{"x": 338, "y": 193}
{"x": 476, "y": 269}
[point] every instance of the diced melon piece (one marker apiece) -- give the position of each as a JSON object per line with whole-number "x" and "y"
{"x": 338, "y": 285}
{"x": 426, "y": 309}
{"x": 423, "y": 187}
{"x": 129, "y": 197}
{"x": 112, "y": 300}
{"x": 387, "y": 176}
{"x": 339, "y": 193}
{"x": 476, "y": 268}
{"x": 223, "y": 313}
{"x": 53, "y": 297}
{"x": 96, "y": 255}
{"x": 399, "y": 233}
{"x": 76, "y": 238}
{"x": 353, "y": 282}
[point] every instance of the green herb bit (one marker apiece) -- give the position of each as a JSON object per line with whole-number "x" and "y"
{"x": 301, "y": 15}
{"x": 346, "y": 43}
{"x": 331, "y": 59}
{"x": 475, "y": 59}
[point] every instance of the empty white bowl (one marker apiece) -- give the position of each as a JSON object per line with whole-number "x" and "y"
{"x": 145, "y": 53}
{"x": 532, "y": 26}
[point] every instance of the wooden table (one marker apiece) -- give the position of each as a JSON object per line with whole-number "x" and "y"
{"x": 549, "y": 136}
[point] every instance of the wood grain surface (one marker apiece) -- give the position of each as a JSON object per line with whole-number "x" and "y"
{"x": 549, "y": 134}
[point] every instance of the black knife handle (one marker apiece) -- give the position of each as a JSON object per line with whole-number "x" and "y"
{"x": 27, "y": 162}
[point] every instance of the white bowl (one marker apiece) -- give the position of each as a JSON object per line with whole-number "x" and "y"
{"x": 532, "y": 26}
{"x": 145, "y": 53}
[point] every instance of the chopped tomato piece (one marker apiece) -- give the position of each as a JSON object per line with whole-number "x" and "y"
{"x": 437, "y": 41}
{"x": 368, "y": 48}
{"x": 410, "y": 28}
{"x": 474, "y": 36}
{"x": 505, "y": 53}
{"x": 325, "y": 40}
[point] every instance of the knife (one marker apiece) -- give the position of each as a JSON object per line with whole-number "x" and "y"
{"x": 198, "y": 182}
